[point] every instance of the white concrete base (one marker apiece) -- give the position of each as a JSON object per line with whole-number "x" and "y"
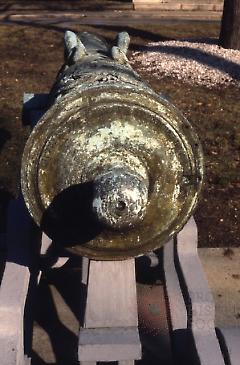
{"x": 109, "y": 344}
{"x": 191, "y": 5}
{"x": 110, "y": 331}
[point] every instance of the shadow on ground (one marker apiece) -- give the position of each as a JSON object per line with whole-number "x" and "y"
{"x": 60, "y": 307}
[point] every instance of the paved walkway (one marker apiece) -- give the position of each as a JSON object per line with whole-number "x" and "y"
{"x": 108, "y": 17}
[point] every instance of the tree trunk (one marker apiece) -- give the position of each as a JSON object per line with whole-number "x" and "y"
{"x": 230, "y": 27}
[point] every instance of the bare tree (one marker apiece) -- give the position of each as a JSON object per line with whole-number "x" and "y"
{"x": 230, "y": 27}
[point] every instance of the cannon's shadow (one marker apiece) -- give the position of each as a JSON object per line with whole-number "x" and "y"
{"x": 4, "y": 136}
{"x": 5, "y": 196}
{"x": 59, "y": 309}
{"x": 57, "y": 316}
{"x": 69, "y": 220}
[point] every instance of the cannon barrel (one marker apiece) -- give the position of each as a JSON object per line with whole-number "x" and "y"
{"x": 112, "y": 169}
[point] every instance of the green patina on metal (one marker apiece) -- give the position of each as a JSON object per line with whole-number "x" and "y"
{"x": 126, "y": 158}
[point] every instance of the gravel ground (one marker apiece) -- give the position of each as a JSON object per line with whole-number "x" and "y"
{"x": 199, "y": 61}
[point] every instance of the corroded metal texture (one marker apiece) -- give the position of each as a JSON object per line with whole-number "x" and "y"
{"x": 112, "y": 169}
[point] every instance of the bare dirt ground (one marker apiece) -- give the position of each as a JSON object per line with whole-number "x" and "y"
{"x": 32, "y": 53}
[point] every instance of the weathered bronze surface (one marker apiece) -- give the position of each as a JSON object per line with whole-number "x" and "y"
{"x": 112, "y": 169}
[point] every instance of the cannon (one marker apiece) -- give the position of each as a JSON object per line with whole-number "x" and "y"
{"x": 111, "y": 175}
{"x": 130, "y": 164}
